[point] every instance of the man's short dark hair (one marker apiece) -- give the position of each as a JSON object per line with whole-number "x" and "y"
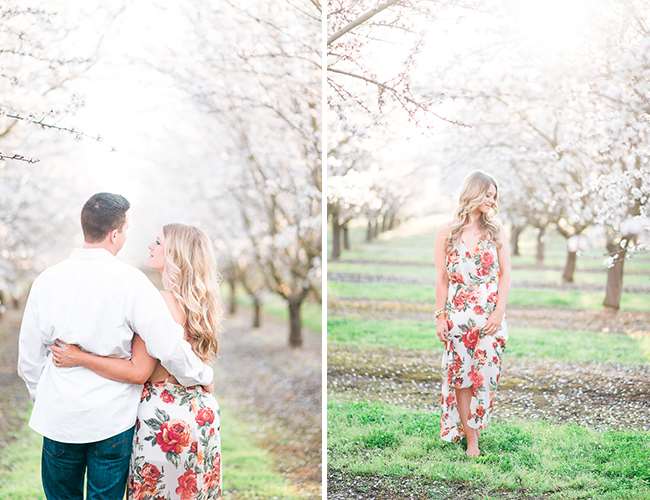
{"x": 101, "y": 214}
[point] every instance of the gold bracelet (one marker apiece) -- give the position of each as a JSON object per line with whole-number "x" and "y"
{"x": 440, "y": 312}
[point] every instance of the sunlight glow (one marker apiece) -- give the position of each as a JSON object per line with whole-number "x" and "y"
{"x": 552, "y": 27}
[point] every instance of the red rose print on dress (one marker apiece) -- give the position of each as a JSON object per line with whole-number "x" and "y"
{"x": 481, "y": 272}
{"x": 173, "y": 436}
{"x": 150, "y": 476}
{"x": 470, "y": 338}
{"x": 478, "y": 309}
{"x": 204, "y": 416}
{"x": 187, "y": 488}
{"x": 456, "y": 278}
{"x": 167, "y": 396}
{"x": 480, "y": 355}
{"x": 487, "y": 259}
{"x": 459, "y": 300}
{"x": 476, "y": 378}
{"x": 211, "y": 478}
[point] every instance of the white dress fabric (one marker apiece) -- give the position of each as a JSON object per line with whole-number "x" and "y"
{"x": 176, "y": 445}
{"x": 471, "y": 358}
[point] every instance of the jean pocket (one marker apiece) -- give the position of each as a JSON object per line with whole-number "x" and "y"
{"x": 115, "y": 447}
{"x": 54, "y": 448}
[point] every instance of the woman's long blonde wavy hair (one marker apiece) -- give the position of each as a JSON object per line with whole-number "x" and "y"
{"x": 190, "y": 274}
{"x": 473, "y": 195}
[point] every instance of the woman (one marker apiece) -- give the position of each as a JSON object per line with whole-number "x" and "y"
{"x": 176, "y": 446}
{"x": 473, "y": 279}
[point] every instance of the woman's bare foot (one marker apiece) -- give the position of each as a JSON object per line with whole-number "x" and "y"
{"x": 472, "y": 443}
{"x": 472, "y": 451}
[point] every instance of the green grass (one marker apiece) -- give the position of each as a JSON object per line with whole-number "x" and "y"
{"x": 20, "y": 467}
{"x": 276, "y": 307}
{"x": 536, "y": 343}
{"x": 420, "y": 247}
{"x": 520, "y": 297}
{"x": 538, "y": 458}
{"x": 518, "y": 275}
{"x": 247, "y": 469}
{"x": 311, "y": 314}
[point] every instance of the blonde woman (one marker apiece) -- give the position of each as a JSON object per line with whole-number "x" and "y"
{"x": 176, "y": 446}
{"x": 472, "y": 284}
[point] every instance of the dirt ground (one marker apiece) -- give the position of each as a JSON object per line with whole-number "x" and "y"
{"x": 14, "y": 398}
{"x": 598, "y": 395}
{"x": 628, "y": 322}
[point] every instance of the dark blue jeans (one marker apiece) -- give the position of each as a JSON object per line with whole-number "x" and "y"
{"x": 64, "y": 465}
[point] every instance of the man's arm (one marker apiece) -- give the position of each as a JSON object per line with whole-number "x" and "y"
{"x": 151, "y": 319}
{"x": 32, "y": 353}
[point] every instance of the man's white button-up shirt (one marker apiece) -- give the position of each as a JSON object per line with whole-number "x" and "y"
{"x": 97, "y": 301}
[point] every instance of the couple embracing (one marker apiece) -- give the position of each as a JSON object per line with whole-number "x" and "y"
{"x": 118, "y": 371}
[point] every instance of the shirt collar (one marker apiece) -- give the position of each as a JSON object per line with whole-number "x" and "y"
{"x": 91, "y": 253}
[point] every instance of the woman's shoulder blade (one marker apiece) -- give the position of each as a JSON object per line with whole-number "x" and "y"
{"x": 174, "y": 306}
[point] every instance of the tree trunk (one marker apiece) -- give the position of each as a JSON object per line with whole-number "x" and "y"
{"x": 257, "y": 312}
{"x": 391, "y": 221}
{"x": 295, "y": 323}
{"x": 384, "y": 223}
{"x": 346, "y": 237}
{"x": 369, "y": 231}
{"x": 232, "y": 307}
{"x": 514, "y": 239}
{"x": 539, "y": 254}
{"x": 569, "y": 267}
{"x": 376, "y": 229}
{"x": 614, "y": 287}
{"x": 336, "y": 237}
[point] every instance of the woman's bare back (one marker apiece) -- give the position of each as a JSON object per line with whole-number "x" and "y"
{"x": 160, "y": 373}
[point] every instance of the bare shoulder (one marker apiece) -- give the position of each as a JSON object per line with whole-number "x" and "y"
{"x": 174, "y": 306}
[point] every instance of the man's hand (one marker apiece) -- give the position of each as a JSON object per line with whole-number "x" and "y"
{"x": 208, "y": 388}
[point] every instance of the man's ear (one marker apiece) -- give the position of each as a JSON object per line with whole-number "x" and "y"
{"x": 113, "y": 235}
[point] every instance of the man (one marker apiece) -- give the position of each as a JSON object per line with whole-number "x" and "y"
{"x": 98, "y": 302}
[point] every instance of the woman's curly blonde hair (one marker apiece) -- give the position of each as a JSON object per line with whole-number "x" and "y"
{"x": 473, "y": 195}
{"x": 190, "y": 274}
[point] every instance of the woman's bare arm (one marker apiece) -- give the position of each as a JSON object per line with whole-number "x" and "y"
{"x": 504, "y": 271}
{"x": 442, "y": 280}
{"x": 496, "y": 317}
{"x": 136, "y": 370}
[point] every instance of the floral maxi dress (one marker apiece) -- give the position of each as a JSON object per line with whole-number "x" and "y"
{"x": 176, "y": 445}
{"x": 471, "y": 358}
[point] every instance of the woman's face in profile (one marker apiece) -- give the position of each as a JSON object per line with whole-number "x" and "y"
{"x": 156, "y": 248}
{"x": 491, "y": 200}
